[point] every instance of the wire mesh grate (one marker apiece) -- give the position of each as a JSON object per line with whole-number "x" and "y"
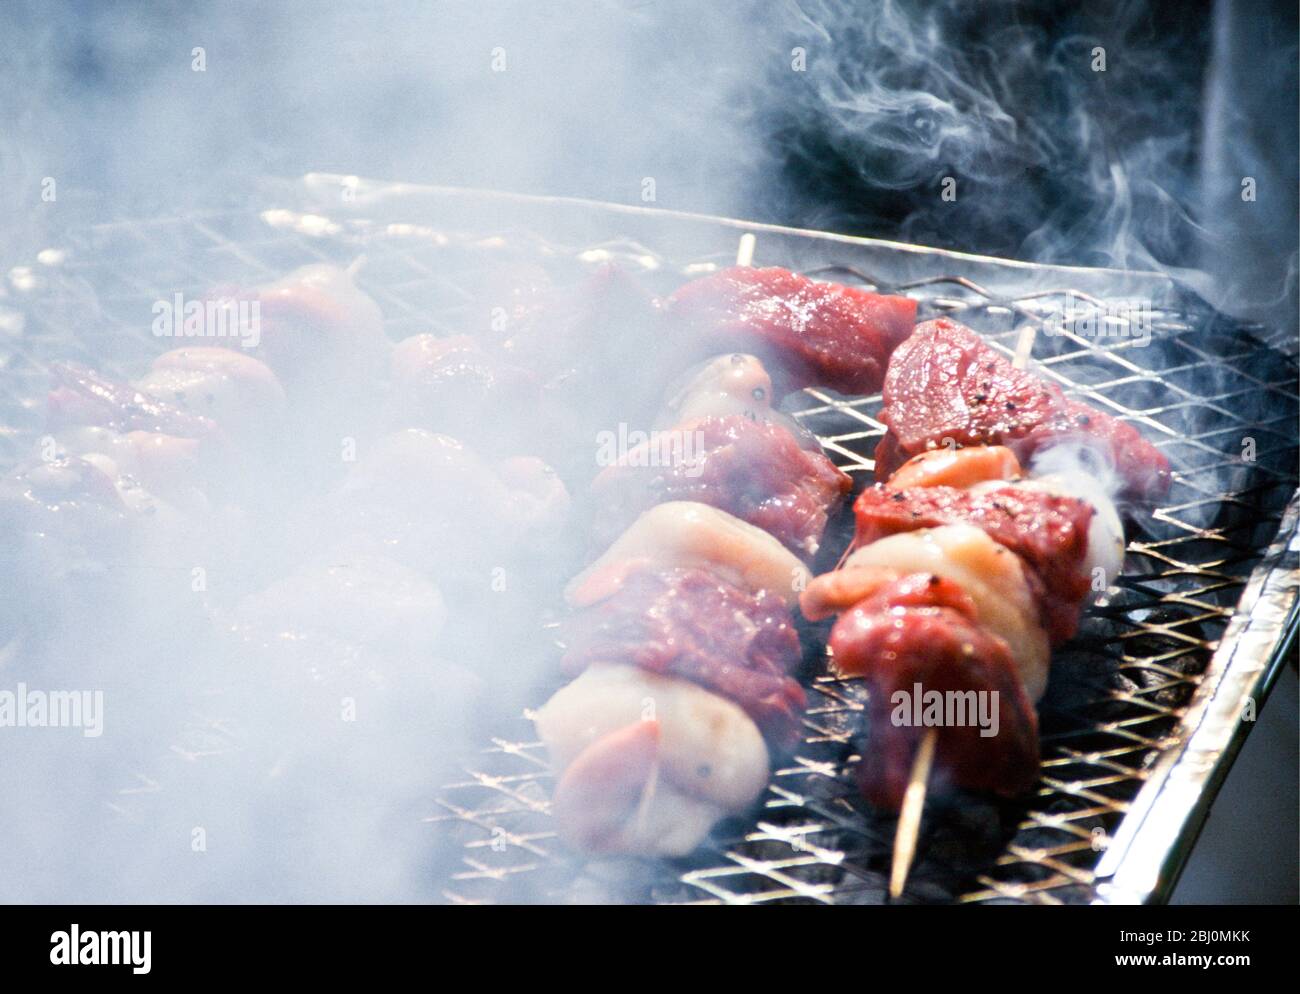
{"x": 1219, "y": 402}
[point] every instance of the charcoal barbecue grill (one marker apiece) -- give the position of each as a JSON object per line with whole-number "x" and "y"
{"x": 1148, "y": 705}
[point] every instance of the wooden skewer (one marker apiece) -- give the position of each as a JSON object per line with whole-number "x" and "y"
{"x": 1024, "y": 346}
{"x": 745, "y": 251}
{"x": 647, "y": 796}
{"x": 909, "y": 818}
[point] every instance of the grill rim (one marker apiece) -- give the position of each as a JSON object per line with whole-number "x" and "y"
{"x": 1158, "y": 833}
{"x": 339, "y": 194}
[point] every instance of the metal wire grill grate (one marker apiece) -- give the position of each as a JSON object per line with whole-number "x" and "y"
{"x": 1219, "y": 402}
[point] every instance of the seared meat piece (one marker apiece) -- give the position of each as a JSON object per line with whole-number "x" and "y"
{"x": 945, "y": 383}
{"x": 919, "y": 634}
{"x": 84, "y": 396}
{"x": 809, "y": 333}
{"x": 1048, "y": 532}
{"x": 690, "y": 623}
{"x": 754, "y": 470}
{"x": 453, "y": 385}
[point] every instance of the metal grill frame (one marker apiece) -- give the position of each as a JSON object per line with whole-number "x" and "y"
{"x": 1117, "y": 834}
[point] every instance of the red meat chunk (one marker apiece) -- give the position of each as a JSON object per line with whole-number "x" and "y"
{"x": 945, "y": 382}
{"x": 917, "y": 636}
{"x": 690, "y": 624}
{"x": 811, "y": 333}
{"x": 752, "y": 469}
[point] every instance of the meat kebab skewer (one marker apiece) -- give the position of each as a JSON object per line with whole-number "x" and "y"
{"x": 966, "y": 391}
{"x": 962, "y": 585}
{"x": 690, "y": 609}
{"x": 909, "y": 818}
{"x": 669, "y": 630}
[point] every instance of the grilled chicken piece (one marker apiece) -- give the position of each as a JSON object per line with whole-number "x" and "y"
{"x": 70, "y": 504}
{"x": 727, "y": 385}
{"x": 688, "y": 534}
{"x": 188, "y": 426}
{"x": 724, "y": 385}
{"x": 336, "y": 678}
{"x": 319, "y": 331}
{"x": 1049, "y": 533}
{"x": 808, "y": 333}
{"x": 922, "y": 630}
{"x": 944, "y": 383}
{"x": 235, "y": 390}
{"x": 647, "y": 763}
{"x": 324, "y": 339}
{"x": 989, "y": 573}
{"x": 754, "y": 470}
{"x": 957, "y": 467}
{"x": 690, "y": 624}
{"x": 61, "y": 522}
{"x": 163, "y": 464}
{"x": 85, "y": 540}
{"x": 1038, "y": 536}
